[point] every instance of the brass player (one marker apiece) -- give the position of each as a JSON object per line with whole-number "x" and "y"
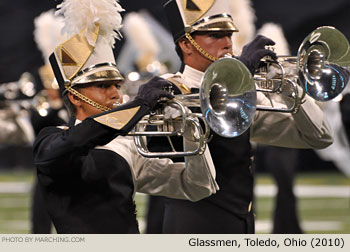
{"x": 202, "y": 33}
{"x": 88, "y": 170}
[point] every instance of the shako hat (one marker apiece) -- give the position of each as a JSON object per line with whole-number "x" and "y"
{"x": 87, "y": 56}
{"x": 198, "y": 15}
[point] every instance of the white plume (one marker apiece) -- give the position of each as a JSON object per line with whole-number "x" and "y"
{"x": 139, "y": 33}
{"x": 275, "y": 32}
{"x": 243, "y": 15}
{"x": 81, "y": 14}
{"x": 47, "y": 33}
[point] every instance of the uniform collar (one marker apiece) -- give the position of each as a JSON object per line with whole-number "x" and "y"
{"x": 77, "y": 121}
{"x": 193, "y": 77}
{"x": 73, "y": 121}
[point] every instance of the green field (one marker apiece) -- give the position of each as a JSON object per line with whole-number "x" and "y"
{"x": 329, "y": 213}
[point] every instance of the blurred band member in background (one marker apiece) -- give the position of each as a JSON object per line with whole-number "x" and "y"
{"x": 48, "y": 109}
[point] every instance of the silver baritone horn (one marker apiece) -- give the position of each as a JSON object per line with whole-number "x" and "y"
{"x": 185, "y": 125}
{"x": 321, "y": 69}
{"x": 228, "y": 93}
{"x": 220, "y": 97}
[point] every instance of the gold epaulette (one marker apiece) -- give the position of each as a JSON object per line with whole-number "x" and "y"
{"x": 182, "y": 87}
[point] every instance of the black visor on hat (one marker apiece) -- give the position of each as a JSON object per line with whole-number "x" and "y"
{"x": 58, "y": 74}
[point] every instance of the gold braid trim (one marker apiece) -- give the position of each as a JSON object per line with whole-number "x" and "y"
{"x": 87, "y": 100}
{"x": 199, "y": 48}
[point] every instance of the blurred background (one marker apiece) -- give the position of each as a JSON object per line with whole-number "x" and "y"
{"x": 321, "y": 184}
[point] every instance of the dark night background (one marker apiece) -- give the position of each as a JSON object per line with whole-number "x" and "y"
{"x": 298, "y": 18}
{"x": 18, "y": 51}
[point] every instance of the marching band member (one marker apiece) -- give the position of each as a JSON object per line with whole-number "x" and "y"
{"x": 89, "y": 171}
{"x": 202, "y": 33}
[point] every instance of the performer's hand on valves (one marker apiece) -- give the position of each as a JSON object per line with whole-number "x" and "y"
{"x": 152, "y": 91}
{"x": 254, "y": 51}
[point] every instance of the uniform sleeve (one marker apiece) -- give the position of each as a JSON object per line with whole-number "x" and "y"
{"x": 193, "y": 180}
{"x": 308, "y": 128}
{"x": 54, "y": 144}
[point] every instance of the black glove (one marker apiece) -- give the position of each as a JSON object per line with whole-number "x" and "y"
{"x": 253, "y": 52}
{"x": 151, "y": 91}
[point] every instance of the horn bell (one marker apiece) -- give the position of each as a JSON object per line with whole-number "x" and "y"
{"x": 324, "y": 63}
{"x": 228, "y": 97}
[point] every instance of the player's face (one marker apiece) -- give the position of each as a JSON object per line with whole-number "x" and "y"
{"x": 217, "y": 44}
{"x": 106, "y": 94}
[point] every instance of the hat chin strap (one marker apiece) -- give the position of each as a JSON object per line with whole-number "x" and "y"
{"x": 199, "y": 48}
{"x": 87, "y": 100}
